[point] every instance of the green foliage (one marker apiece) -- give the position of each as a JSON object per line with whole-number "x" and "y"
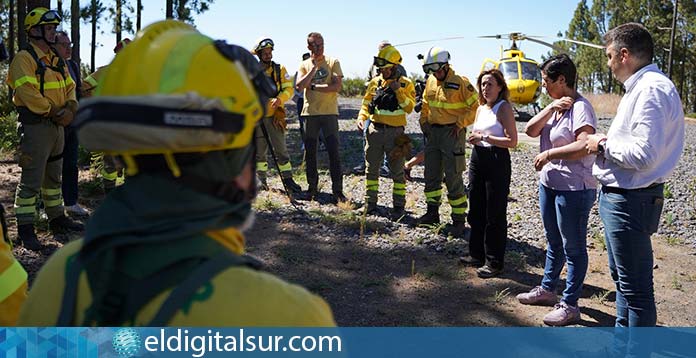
{"x": 8, "y": 132}
{"x": 590, "y": 25}
{"x": 184, "y": 9}
{"x": 353, "y": 87}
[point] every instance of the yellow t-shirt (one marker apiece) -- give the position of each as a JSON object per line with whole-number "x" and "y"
{"x": 238, "y": 296}
{"x": 321, "y": 103}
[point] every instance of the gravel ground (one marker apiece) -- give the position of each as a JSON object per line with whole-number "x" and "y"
{"x": 678, "y": 218}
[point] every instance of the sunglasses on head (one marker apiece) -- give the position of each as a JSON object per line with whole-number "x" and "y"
{"x": 380, "y": 62}
{"x": 433, "y": 67}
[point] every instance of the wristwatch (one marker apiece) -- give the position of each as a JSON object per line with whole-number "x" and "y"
{"x": 600, "y": 146}
{"x": 485, "y": 137}
{"x": 312, "y": 87}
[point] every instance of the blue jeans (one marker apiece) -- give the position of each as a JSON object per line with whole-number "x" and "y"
{"x": 629, "y": 219}
{"x": 565, "y": 214}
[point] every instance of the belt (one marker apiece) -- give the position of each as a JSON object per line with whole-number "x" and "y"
{"x": 615, "y": 190}
{"x": 382, "y": 125}
{"x": 443, "y": 125}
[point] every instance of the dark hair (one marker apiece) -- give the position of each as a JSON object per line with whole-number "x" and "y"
{"x": 504, "y": 91}
{"x": 634, "y": 37}
{"x": 560, "y": 65}
{"x": 314, "y": 34}
{"x": 62, "y": 32}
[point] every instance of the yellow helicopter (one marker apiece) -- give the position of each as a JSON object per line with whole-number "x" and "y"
{"x": 522, "y": 74}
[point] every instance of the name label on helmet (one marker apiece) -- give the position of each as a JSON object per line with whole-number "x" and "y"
{"x": 188, "y": 119}
{"x": 452, "y": 85}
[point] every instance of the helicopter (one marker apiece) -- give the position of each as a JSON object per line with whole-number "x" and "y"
{"x": 522, "y": 74}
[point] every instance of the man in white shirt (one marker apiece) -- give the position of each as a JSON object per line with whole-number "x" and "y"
{"x": 634, "y": 159}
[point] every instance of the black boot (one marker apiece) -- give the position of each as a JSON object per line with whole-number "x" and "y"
{"x": 63, "y": 225}
{"x": 371, "y": 209}
{"x": 397, "y": 213}
{"x": 291, "y": 185}
{"x": 27, "y": 236}
{"x": 458, "y": 229}
{"x": 432, "y": 217}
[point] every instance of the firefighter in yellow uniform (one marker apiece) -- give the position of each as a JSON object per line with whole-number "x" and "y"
{"x": 449, "y": 106}
{"x": 274, "y": 122}
{"x": 167, "y": 248}
{"x": 111, "y": 171}
{"x": 13, "y": 279}
{"x": 388, "y": 98}
{"x": 44, "y": 94}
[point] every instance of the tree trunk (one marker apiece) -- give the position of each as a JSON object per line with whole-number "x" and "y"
{"x": 169, "y": 11}
{"x": 138, "y": 10}
{"x": 94, "y": 35}
{"x": 59, "y": 7}
{"x": 118, "y": 20}
{"x": 75, "y": 29}
{"x": 21, "y": 33}
{"x": 11, "y": 32}
{"x": 181, "y": 9}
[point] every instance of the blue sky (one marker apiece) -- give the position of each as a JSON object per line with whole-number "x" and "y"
{"x": 352, "y": 29}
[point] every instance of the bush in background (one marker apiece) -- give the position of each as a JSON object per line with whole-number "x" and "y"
{"x": 353, "y": 87}
{"x": 8, "y": 132}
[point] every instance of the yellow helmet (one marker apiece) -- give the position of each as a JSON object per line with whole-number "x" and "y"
{"x": 387, "y": 57}
{"x": 174, "y": 90}
{"x": 41, "y": 16}
{"x": 261, "y": 44}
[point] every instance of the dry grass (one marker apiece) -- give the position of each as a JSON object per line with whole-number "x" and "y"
{"x": 604, "y": 104}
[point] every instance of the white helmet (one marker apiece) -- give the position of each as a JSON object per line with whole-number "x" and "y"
{"x": 437, "y": 59}
{"x": 437, "y": 55}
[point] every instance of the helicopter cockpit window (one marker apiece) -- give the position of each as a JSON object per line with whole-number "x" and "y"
{"x": 509, "y": 70}
{"x": 530, "y": 71}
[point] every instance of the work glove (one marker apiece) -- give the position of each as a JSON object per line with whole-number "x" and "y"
{"x": 279, "y": 119}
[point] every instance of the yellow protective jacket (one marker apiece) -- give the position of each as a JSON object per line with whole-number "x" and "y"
{"x": 283, "y": 82}
{"x": 25, "y": 82}
{"x": 405, "y": 95}
{"x": 453, "y": 100}
{"x": 239, "y": 296}
{"x": 13, "y": 285}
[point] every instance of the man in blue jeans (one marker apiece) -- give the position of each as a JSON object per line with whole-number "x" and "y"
{"x": 634, "y": 159}
{"x": 70, "y": 151}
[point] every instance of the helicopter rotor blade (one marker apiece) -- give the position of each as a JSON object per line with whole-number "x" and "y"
{"x": 432, "y": 40}
{"x": 559, "y": 49}
{"x": 582, "y": 43}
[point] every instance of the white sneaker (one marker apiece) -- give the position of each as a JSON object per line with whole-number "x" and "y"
{"x": 76, "y": 210}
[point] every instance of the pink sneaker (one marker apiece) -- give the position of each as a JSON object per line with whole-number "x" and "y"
{"x": 563, "y": 315}
{"x": 538, "y": 296}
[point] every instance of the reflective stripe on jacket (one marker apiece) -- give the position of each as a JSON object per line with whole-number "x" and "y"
{"x": 285, "y": 87}
{"x": 405, "y": 95}
{"x": 25, "y": 82}
{"x": 453, "y": 100}
{"x": 13, "y": 285}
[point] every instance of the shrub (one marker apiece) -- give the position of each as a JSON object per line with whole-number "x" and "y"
{"x": 353, "y": 87}
{"x": 8, "y": 132}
